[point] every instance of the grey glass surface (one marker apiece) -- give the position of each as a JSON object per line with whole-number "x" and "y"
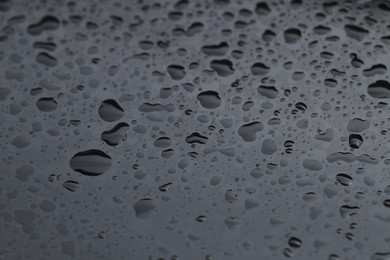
{"x": 194, "y": 130}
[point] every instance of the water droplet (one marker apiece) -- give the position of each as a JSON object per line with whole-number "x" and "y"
{"x": 223, "y": 68}
{"x": 47, "y": 23}
{"x": 110, "y": 110}
{"x": 295, "y": 242}
{"x": 209, "y": 99}
{"x": 116, "y": 135}
{"x": 268, "y": 91}
{"x": 355, "y": 32}
{"x": 344, "y": 179}
{"x": 91, "y": 162}
{"x": 379, "y": 89}
{"x": 46, "y": 59}
{"x": 259, "y": 69}
{"x": 144, "y": 208}
{"x": 71, "y": 185}
{"x": 47, "y": 104}
{"x": 355, "y": 141}
{"x": 177, "y": 72}
{"x": 292, "y": 35}
{"x": 196, "y": 138}
{"x": 216, "y": 50}
{"x": 248, "y": 131}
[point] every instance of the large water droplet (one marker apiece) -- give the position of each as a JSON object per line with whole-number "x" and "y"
{"x": 91, "y": 162}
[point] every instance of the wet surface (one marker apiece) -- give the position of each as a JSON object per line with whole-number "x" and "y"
{"x": 194, "y": 130}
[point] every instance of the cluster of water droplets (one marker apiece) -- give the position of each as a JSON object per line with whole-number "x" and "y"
{"x": 185, "y": 129}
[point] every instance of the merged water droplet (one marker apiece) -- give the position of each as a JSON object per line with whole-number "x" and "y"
{"x": 46, "y": 24}
{"x": 116, "y": 135}
{"x": 216, "y": 50}
{"x": 196, "y": 138}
